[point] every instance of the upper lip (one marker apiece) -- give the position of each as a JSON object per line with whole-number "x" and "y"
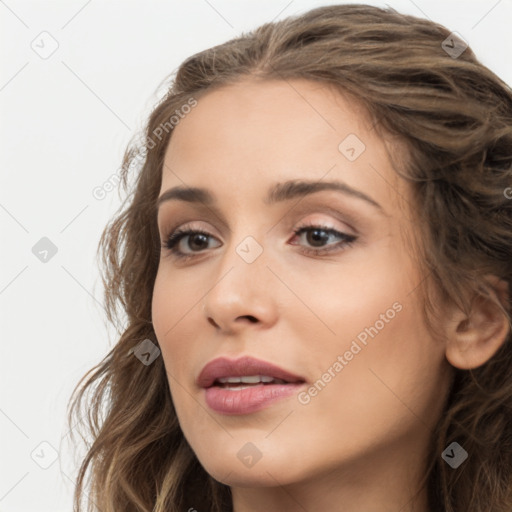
{"x": 224, "y": 367}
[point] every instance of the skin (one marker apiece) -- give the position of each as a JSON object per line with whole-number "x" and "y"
{"x": 362, "y": 441}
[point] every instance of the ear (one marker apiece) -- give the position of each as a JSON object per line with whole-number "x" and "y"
{"x": 473, "y": 340}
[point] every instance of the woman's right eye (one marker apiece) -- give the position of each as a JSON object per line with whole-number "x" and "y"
{"x": 196, "y": 237}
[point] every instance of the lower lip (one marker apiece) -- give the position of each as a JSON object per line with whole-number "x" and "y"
{"x": 248, "y": 400}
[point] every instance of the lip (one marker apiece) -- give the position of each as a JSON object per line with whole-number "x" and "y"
{"x": 244, "y": 366}
{"x": 252, "y": 398}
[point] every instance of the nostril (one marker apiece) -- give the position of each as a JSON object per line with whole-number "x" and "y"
{"x": 251, "y": 318}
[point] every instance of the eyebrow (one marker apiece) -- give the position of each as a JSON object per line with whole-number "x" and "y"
{"x": 277, "y": 193}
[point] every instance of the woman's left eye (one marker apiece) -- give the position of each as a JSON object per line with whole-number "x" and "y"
{"x": 319, "y": 234}
{"x": 316, "y": 236}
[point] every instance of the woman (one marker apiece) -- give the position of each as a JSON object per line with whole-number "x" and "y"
{"x": 315, "y": 266}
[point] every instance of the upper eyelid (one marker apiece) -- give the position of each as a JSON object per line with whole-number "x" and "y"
{"x": 310, "y": 205}
{"x": 350, "y": 220}
{"x": 192, "y": 226}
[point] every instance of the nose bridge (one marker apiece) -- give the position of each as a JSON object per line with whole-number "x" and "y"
{"x": 243, "y": 265}
{"x": 243, "y": 284}
{"x": 245, "y": 249}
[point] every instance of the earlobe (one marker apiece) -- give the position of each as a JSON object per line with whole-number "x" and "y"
{"x": 472, "y": 341}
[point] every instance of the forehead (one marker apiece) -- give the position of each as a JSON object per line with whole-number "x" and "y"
{"x": 292, "y": 109}
{"x": 253, "y": 132}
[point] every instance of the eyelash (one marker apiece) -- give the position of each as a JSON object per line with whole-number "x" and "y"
{"x": 172, "y": 240}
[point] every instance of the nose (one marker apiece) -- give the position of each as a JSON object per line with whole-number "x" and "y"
{"x": 243, "y": 294}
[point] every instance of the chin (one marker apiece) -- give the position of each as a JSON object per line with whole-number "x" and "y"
{"x": 235, "y": 476}
{"x": 266, "y": 472}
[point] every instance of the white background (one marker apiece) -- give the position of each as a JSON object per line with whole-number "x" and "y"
{"x": 64, "y": 122}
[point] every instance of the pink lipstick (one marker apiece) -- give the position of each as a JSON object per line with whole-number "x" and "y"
{"x": 245, "y": 385}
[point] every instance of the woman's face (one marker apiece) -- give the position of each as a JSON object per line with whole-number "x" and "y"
{"x": 340, "y": 310}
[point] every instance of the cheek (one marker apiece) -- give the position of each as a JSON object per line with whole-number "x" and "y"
{"x": 391, "y": 377}
{"x": 374, "y": 315}
{"x": 174, "y": 316}
{"x": 174, "y": 312}
{"x": 368, "y": 293}
{"x": 175, "y": 295}
{"x": 390, "y": 391}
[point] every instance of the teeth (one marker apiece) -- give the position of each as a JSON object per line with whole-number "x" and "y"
{"x": 249, "y": 379}
{"x": 237, "y": 388}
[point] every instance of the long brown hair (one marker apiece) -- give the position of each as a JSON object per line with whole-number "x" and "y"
{"x": 453, "y": 116}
